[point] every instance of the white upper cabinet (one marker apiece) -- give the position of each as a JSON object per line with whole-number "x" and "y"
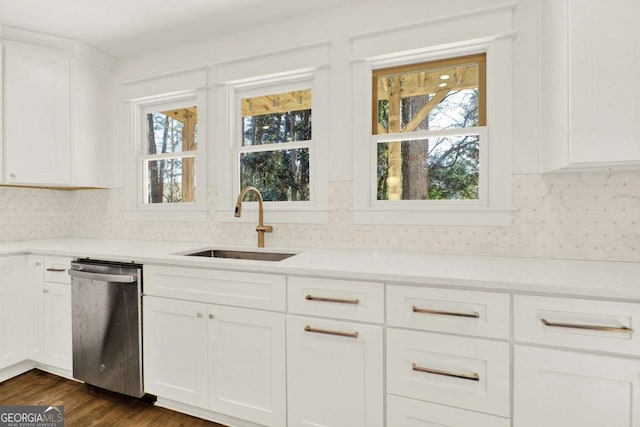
{"x": 590, "y": 84}
{"x": 56, "y": 113}
{"x": 36, "y": 109}
{"x": 91, "y": 121}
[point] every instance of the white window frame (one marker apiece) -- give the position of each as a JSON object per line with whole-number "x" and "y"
{"x": 493, "y": 207}
{"x": 313, "y": 211}
{"x": 237, "y": 135}
{"x": 137, "y": 209}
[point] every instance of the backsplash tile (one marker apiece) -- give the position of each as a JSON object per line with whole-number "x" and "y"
{"x": 579, "y": 216}
{"x": 35, "y": 214}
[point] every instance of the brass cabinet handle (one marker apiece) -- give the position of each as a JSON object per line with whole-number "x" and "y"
{"x": 471, "y": 377}
{"x": 57, "y": 270}
{"x": 587, "y": 327}
{"x": 474, "y": 315}
{"x": 329, "y": 332}
{"x": 338, "y": 300}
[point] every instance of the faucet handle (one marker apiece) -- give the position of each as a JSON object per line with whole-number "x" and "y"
{"x": 264, "y": 228}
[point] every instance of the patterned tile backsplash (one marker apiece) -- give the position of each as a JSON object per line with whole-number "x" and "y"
{"x": 578, "y": 216}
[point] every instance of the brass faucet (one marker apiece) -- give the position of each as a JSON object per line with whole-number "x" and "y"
{"x": 261, "y": 228}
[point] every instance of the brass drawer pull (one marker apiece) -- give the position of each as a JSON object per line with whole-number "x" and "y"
{"x": 338, "y": 300}
{"x": 328, "y": 332}
{"x": 470, "y": 377}
{"x": 587, "y": 327}
{"x": 56, "y": 270}
{"x": 474, "y": 315}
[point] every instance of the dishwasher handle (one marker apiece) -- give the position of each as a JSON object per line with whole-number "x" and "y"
{"x": 115, "y": 278}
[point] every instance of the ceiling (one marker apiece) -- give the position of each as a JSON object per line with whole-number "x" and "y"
{"x": 122, "y": 27}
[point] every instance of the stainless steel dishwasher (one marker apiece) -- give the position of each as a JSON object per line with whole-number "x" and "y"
{"x": 106, "y": 323}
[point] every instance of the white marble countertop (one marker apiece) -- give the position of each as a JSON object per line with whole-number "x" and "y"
{"x": 616, "y": 280}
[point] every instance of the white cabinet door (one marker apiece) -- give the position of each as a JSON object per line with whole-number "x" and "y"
{"x": 175, "y": 350}
{"x": 335, "y": 373}
{"x": 13, "y": 319}
{"x": 91, "y": 154}
{"x": 247, "y": 373}
{"x": 35, "y": 308}
{"x": 554, "y": 388}
{"x": 57, "y": 325}
{"x": 605, "y": 112}
{"x": 589, "y": 118}
{"x": 48, "y": 306}
{"x": 37, "y": 114}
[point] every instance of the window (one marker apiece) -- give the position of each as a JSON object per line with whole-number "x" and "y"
{"x": 169, "y": 154}
{"x": 432, "y": 136}
{"x": 427, "y": 128}
{"x": 274, "y": 142}
{"x": 440, "y": 151}
{"x": 287, "y": 91}
{"x": 170, "y": 158}
{"x": 164, "y": 165}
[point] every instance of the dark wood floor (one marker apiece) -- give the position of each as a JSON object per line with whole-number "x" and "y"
{"x": 87, "y": 406}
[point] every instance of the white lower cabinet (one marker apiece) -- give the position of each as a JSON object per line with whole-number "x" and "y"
{"x": 35, "y": 308}
{"x": 49, "y": 293}
{"x": 403, "y": 412}
{"x": 247, "y": 372}
{"x": 58, "y": 351}
{"x": 561, "y": 388}
{"x": 451, "y": 357}
{"x": 13, "y": 294}
{"x": 335, "y": 373}
{"x": 175, "y": 350}
{"x": 228, "y": 360}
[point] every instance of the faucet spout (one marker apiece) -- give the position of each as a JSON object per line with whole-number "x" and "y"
{"x": 261, "y": 228}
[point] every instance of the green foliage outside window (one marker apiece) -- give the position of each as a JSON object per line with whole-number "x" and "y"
{"x": 452, "y": 163}
{"x": 281, "y": 174}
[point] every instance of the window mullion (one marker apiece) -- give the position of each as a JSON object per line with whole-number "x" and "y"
{"x": 273, "y": 147}
{"x": 162, "y": 156}
{"x": 425, "y": 134}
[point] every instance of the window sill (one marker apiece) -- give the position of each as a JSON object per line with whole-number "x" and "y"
{"x": 452, "y": 217}
{"x": 275, "y": 216}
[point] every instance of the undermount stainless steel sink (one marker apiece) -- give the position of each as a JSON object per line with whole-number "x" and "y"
{"x": 248, "y": 255}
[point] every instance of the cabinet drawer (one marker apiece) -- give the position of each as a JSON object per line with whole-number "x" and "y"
{"x": 482, "y": 314}
{"x": 467, "y": 373}
{"x": 56, "y": 269}
{"x": 340, "y": 299}
{"x": 252, "y": 290}
{"x": 575, "y": 323}
{"x": 409, "y": 412}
